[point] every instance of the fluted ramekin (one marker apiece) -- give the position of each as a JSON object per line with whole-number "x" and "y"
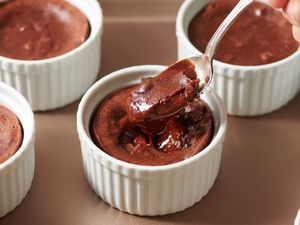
{"x": 17, "y": 172}
{"x": 56, "y": 82}
{"x": 297, "y": 220}
{"x": 245, "y": 90}
{"x": 147, "y": 190}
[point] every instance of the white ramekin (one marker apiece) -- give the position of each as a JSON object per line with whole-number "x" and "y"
{"x": 147, "y": 190}
{"x": 245, "y": 90}
{"x": 17, "y": 172}
{"x": 55, "y": 82}
{"x": 297, "y": 220}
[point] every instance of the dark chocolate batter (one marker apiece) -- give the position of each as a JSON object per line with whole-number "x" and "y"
{"x": 166, "y": 125}
{"x": 40, "y": 29}
{"x": 11, "y": 134}
{"x": 261, "y": 35}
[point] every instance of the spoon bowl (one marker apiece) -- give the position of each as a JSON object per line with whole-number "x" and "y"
{"x": 203, "y": 69}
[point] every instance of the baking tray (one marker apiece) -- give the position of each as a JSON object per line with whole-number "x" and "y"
{"x": 259, "y": 178}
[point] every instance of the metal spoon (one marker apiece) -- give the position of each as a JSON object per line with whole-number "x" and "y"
{"x": 203, "y": 63}
{"x": 165, "y": 106}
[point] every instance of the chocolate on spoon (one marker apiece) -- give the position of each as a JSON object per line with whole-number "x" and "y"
{"x": 180, "y": 83}
{"x": 164, "y": 94}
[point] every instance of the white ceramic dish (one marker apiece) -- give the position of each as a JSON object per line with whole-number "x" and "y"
{"x": 297, "y": 221}
{"x": 55, "y": 82}
{"x": 245, "y": 90}
{"x": 17, "y": 172}
{"x": 146, "y": 190}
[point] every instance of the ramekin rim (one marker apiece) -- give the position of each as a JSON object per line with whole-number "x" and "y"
{"x": 81, "y": 131}
{"x": 181, "y": 36}
{"x": 93, "y": 35}
{"x": 26, "y": 142}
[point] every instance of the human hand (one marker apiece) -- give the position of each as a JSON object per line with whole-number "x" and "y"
{"x": 291, "y": 10}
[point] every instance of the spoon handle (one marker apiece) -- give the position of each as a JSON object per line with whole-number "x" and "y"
{"x": 216, "y": 38}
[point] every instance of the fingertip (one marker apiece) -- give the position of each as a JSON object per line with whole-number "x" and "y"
{"x": 296, "y": 12}
{"x": 296, "y": 33}
{"x": 278, "y": 3}
{"x": 292, "y": 12}
{"x": 284, "y": 13}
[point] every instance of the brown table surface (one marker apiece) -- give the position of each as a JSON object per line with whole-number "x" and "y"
{"x": 259, "y": 179}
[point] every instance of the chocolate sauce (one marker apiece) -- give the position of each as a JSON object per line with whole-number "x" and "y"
{"x": 151, "y": 140}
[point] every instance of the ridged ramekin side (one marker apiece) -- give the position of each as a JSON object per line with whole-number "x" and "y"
{"x": 245, "y": 90}
{"x": 147, "y": 190}
{"x": 256, "y": 92}
{"x": 49, "y": 86}
{"x": 55, "y": 82}
{"x": 17, "y": 172}
{"x": 15, "y": 182}
{"x": 146, "y": 193}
